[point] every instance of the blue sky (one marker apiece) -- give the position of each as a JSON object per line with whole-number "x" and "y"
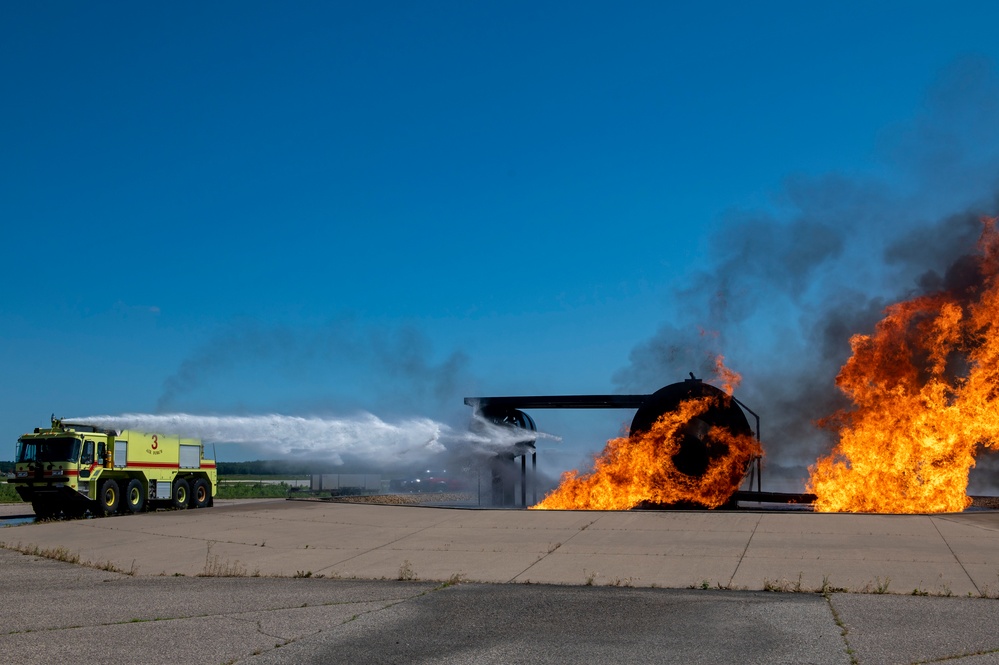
{"x": 324, "y": 208}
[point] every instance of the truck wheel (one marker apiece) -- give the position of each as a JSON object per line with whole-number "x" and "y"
{"x": 181, "y": 493}
{"x": 135, "y": 498}
{"x": 44, "y": 509}
{"x": 109, "y": 497}
{"x": 201, "y": 494}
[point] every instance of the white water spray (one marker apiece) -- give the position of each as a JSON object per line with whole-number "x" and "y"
{"x": 363, "y": 437}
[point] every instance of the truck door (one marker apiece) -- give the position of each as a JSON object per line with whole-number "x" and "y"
{"x": 87, "y": 457}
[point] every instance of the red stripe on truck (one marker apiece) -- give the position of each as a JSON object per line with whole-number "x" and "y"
{"x": 165, "y": 465}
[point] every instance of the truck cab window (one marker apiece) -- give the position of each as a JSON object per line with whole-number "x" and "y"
{"x": 25, "y": 451}
{"x": 88, "y": 452}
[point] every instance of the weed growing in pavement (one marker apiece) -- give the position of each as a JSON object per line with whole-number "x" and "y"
{"x": 110, "y": 567}
{"x": 457, "y": 578}
{"x": 54, "y": 553}
{"x": 786, "y": 586}
{"x": 406, "y": 572}
{"x": 216, "y": 566}
{"x": 843, "y": 630}
{"x": 780, "y": 586}
{"x": 988, "y": 593}
{"x": 879, "y": 586}
{"x": 828, "y": 588}
{"x": 65, "y": 556}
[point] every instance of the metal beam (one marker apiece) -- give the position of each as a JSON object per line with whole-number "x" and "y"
{"x": 559, "y": 401}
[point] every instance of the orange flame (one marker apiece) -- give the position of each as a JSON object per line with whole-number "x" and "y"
{"x": 730, "y": 379}
{"x": 925, "y": 392}
{"x": 640, "y": 468}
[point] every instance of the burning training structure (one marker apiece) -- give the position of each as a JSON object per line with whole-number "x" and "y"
{"x": 690, "y": 444}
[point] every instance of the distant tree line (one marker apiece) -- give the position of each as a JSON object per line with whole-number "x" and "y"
{"x": 275, "y": 468}
{"x": 6, "y": 466}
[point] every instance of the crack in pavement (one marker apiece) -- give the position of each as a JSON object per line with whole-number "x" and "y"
{"x": 554, "y": 549}
{"x": 759, "y": 518}
{"x": 953, "y": 554}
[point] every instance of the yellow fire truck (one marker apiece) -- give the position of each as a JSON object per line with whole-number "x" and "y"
{"x": 75, "y": 469}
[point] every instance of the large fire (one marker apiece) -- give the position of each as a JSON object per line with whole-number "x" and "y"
{"x": 925, "y": 392}
{"x": 641, "y": 469}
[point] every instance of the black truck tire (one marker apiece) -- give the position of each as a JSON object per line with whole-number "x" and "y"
{"x": 109, "y": 497}
{"x": 181, "y": 494}
{"x": 135, "y": 498}
{"x": 201, "y": 495}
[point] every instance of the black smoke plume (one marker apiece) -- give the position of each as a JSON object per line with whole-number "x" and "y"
{"x": 787, "y": 288}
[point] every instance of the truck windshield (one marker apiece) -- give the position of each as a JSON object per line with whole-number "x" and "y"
{"x": 61, "y": 449}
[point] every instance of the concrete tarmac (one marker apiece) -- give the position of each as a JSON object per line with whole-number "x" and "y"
{"x": 283, "y": 581}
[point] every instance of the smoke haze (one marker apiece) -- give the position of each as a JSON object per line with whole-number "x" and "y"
{"x": 398, "y": 365}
